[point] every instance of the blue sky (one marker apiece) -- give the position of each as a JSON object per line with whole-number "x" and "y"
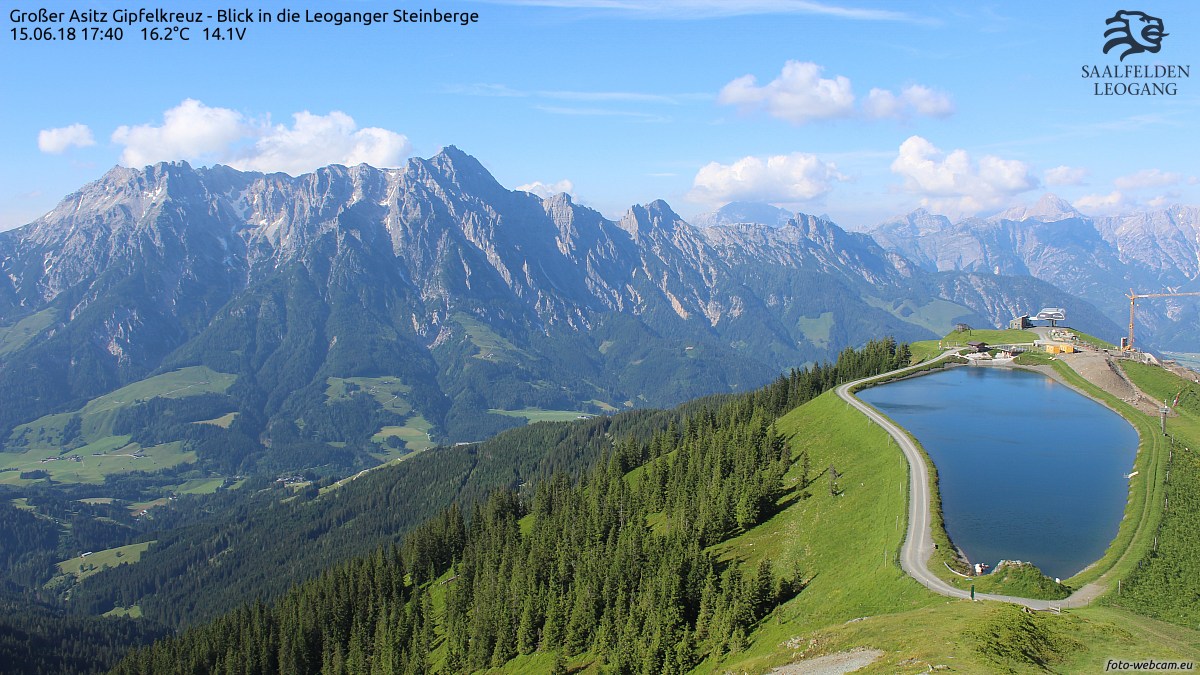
{"x": 861, "y": 110}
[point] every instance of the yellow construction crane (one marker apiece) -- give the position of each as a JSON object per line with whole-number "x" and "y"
{"x": 1133, "y": 298}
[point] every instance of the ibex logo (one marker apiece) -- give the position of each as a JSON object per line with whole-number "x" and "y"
{"x": 1137, "y": 31}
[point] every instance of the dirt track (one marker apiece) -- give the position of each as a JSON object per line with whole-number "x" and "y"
{"x": 833, "y": 664}
{"x": 1102, "y": 371}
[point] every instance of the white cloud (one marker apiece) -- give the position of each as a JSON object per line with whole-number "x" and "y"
{"x": 1102, "y": 204}
{"x": 57, "y": 141}
{"x": 1167, "y": 199}
{"x": 314, "y": 141}
{"x": 882, "y": 103}
{"x": 954, "y": 184}
{"x": 913, "y": 99}
{"x": 929, "y": 102}
{"x": 197, "y": 132}
{"x": 190, "y": 130}
{"x": 1147, "y": 178}
{"x": 797, "y": 177}
{"x": 798, "y": 95}
{"x": 1065, "y": 175}
{"x": 801, "y": 95}
{"x": 547, "y": 190}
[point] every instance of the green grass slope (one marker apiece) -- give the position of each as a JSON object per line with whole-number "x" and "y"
{"x": 1023, "y": 580}
{"x": 839, "y": 532}
{"x": 81, "y": 447}
{"x": 991, "y": 336}
{"x": 97, "y": 416}
{"x": 845, "y": 546}
{"x": 24, "y": 331}
{"x": 858, "y": 596}
{"x": 1166, "y": 582}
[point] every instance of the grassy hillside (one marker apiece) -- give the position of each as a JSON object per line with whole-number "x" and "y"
{"x": 846, "y": 548}
{"x": 82, "y": 446}
{"x": 1166, "y": 582}
{"x": 925, "y": 350}
{"x": 845, "y": 545}
{"x": 86, "y": 565}
{"x": 18, "y": 335}
{"x": 837, "y": 534}
{"x": 839, "y": 537}
{"x": 1020, "y": 579}
{"x": 849, "y": 547}
{"x": 934, "y": 315}
{"x": 991, "y": 336}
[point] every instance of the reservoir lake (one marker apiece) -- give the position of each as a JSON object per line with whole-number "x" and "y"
{"x": 1028, "y": 468}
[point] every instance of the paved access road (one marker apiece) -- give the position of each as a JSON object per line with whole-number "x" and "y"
{"x": 918, "y": 541}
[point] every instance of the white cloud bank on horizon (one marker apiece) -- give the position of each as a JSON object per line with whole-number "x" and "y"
{"x": 1098, "y": 204}
{"x": 58, "y": 141}
{"x": 194, "y": 131}
{"x": 801, "y": 95}
{"x": 954, "y": 184}
{"x": 1147, "y": 178}
{"x": 797, "y": 177}
{"x": 548, "y": 190}
{"x": 314, "y": 141}
{"x": 1125, "y": 197}
{"x": 190, "y": 130}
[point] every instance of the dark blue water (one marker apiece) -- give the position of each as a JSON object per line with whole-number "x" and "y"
{"x": 1028, "y": 468}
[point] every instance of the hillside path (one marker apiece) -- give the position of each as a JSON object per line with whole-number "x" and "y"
{"x": 918, "y": 541}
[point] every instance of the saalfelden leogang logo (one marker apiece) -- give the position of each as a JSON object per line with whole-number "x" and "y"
{"x": 1130, "y": 33}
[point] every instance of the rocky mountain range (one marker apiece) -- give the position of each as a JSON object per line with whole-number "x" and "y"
{"x": 480, "y": 300}
{"x": 1097, "y": 259}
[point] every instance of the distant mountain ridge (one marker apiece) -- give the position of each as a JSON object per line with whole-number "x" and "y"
{"x": 1097, "y": 259}
{"x": 735, "y": 213}
{"x": 475, "y": 297}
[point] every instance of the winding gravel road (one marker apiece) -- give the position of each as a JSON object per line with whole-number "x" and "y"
{"x": 918, "y": 542}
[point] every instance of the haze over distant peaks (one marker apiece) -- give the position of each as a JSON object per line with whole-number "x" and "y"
{"x": 1050, "y": 208}
{"x": 744, "y": 212}
{"x": 1098, "y": 259}
{"x": 915, "y": 223}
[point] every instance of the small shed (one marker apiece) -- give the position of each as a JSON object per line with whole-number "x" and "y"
{"x": 978, "y": 347}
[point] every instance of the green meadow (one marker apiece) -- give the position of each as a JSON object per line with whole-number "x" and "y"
{"x": 81, "y": 446}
